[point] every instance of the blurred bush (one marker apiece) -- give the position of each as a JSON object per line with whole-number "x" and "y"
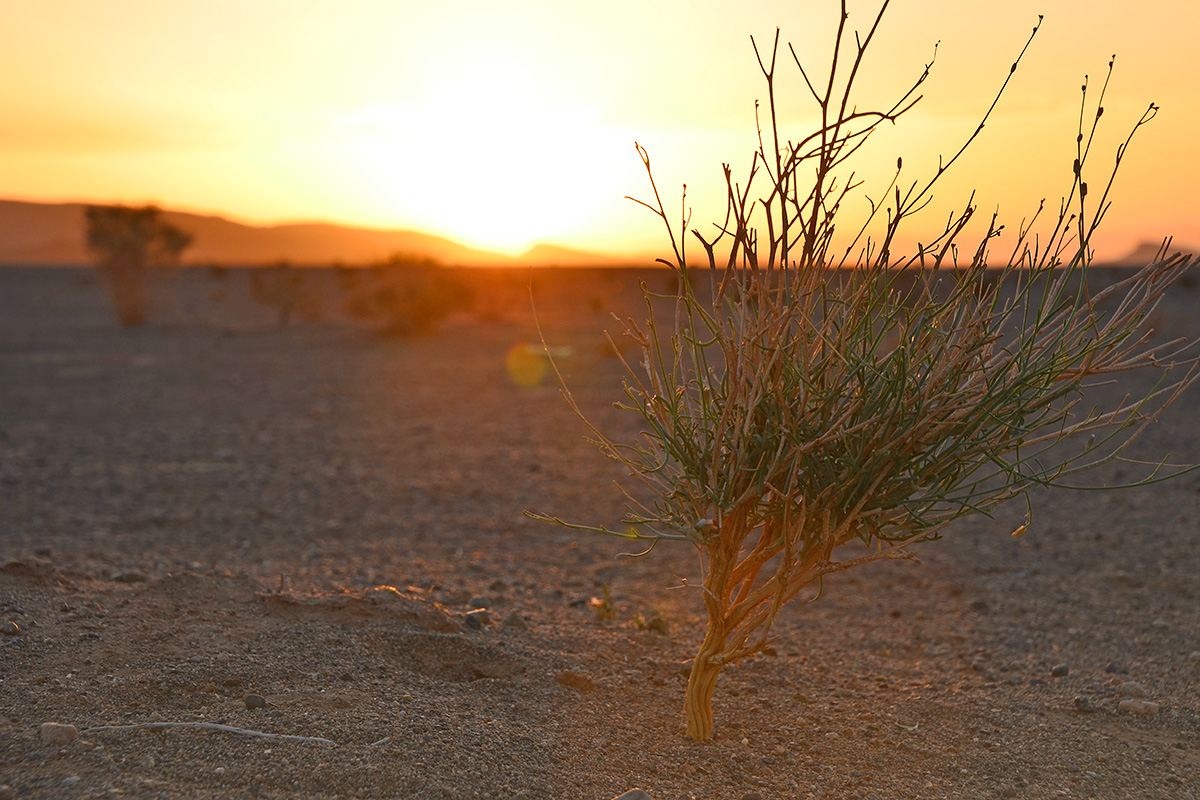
{"x": 131, "y": 246}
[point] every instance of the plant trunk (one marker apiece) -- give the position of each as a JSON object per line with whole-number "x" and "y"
{"x": 697, "y": 704}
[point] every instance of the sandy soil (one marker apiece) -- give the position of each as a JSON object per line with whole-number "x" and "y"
{"x": 206, "y": 509}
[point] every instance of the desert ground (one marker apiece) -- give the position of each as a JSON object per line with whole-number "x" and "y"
{"x": 217, "y": 520}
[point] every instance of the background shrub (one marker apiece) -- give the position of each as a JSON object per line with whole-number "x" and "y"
{"x": 130, "y": 244}
{"x": 407, "y": 295}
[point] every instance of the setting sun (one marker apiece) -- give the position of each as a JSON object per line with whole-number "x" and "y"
{"x": 503, "y": 128}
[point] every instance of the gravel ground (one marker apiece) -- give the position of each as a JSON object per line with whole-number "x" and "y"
{"x": 213, "y": 510}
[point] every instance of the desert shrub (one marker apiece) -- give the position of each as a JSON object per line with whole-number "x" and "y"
{"x": 408, "y": 295}
{"x": 129, "y": 244}
{"x": 824, "y": 390}
{"x": 288, "y": 290}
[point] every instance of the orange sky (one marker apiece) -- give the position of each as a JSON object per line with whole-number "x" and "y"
{"x": 505, "y": 124}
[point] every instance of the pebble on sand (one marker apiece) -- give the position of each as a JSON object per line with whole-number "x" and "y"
{"x": 1134, "y": 706}
{"x": 57, "y": 733}
{"x": 1060, "y": 670}
{"x": 633, "y": 794}
{"x": 256, "y": 701}
{"x": 1131, "y": 689}
{"x": 10, "y": 628}
{"x": 1084, "y": 704}
{"x": 478, "y": 619}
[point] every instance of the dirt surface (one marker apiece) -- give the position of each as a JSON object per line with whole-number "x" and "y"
{"x": 211, "y": 508}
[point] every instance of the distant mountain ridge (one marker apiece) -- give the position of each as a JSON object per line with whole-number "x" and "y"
{"x": 53, "y": 233}
{"x": 1145, "y": 252}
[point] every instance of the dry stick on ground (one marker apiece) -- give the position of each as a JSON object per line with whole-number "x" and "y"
{"x": 801, "y": 406}
{"x": 209, "y": 726}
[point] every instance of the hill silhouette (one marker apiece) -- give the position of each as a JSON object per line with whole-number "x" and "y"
{"x": 1145, "y": 252}
{"x": 54, "y": 233}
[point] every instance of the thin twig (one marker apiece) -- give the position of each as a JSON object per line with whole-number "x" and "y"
{"x": 209, "y": 726}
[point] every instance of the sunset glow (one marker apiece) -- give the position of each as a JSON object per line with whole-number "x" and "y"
{"x": 507, "y": 126}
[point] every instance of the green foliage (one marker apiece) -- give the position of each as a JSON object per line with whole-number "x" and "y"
{"x": 128, "y": 243}
{"x": 821, "y": 390}
{"x": 653, "y": 623}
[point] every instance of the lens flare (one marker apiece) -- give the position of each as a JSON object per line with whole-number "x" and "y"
{"x": 526, "y": 364}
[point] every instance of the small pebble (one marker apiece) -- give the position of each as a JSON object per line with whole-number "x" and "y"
{"x": 56, "y": 733}
{"x": 1084, "y": 704}
{"x": 479, "y": 602}
{"x": 1115, "y": 668}
{"x": 633, "y": 794}
{"x": 1131, "y": 689}
{"x": 1160, "y": 624}
{"x": 256, "y": 701}
{"x": 1059, "y": 670}
{"x": 10, "y": 628}
{"x": 70, "y": 781}
{"x": 477, "y": 619}
{"x": 7, "y": 793}
{"x": 1138, "y": 706}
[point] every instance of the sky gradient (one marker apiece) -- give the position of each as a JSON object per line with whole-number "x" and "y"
{"x": 505, "y": 125}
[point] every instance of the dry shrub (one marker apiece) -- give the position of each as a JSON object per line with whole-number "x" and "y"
{"x": 132, "y": 246}
{"x": 823, "y": 390}
{"x": 407, "y": 295}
